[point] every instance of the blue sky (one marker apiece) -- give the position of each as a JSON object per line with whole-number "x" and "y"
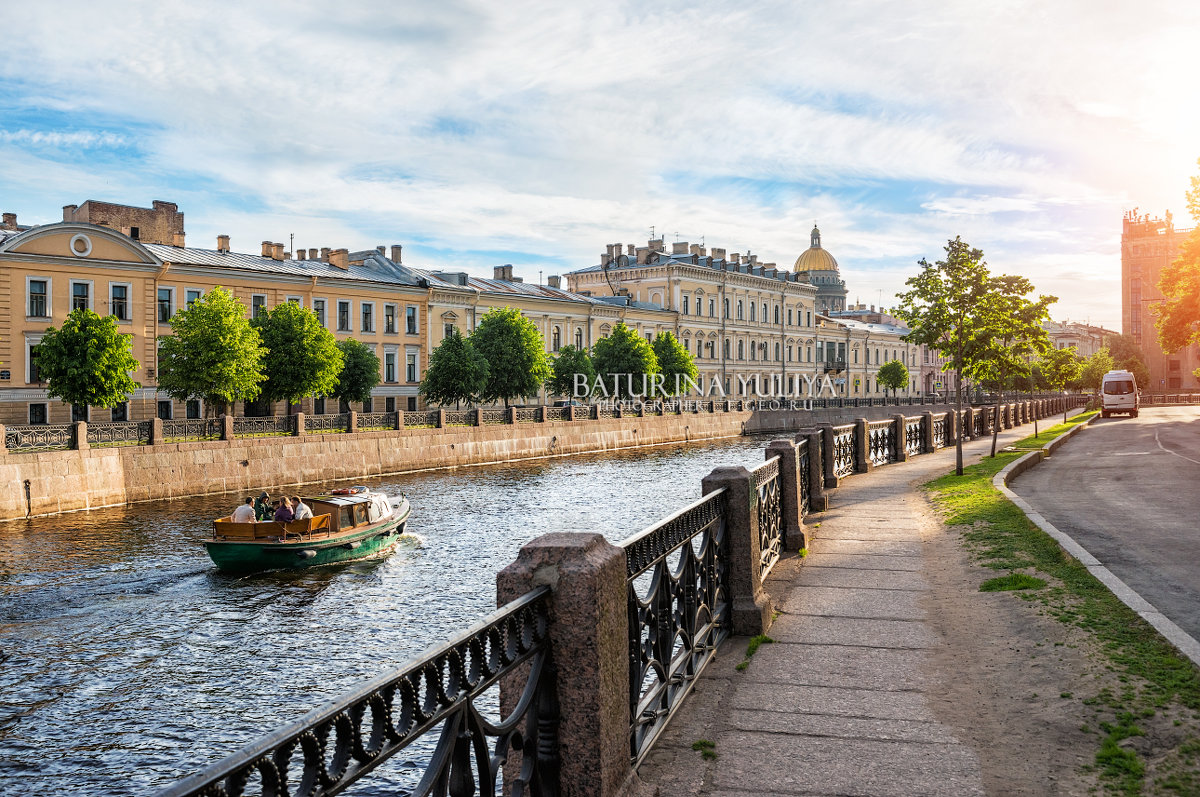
{"x": 536, "y": 133}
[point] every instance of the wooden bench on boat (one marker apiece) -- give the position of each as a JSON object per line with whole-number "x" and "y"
{"x": 226, "y": 529}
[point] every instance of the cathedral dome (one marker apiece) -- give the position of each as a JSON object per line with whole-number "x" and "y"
{"x": 815, "y": 258}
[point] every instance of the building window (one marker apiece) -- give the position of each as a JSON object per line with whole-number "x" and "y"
{"x": 34, "y": 374}
{"x": 389, "y": 404}
{"x": 649, "y": 337}
{"x": 579, "y": 338}
{"x": 38, "y": 414}
{"x": 368, "y": 316}
{"x": 368, "y": 405}
{"x": 165, "y": 410}
{"x": 166, "y": 304}
{"x": 686, "y": 305}
{"x": 556, "y": 339}
{"x": 79, "y": 412}
{"x": 410, "y": 367}
{"x": 389, "y": 366}
{"x": 319, "y": 405}
{"x": 191, "y": 296}
{"x": 81, "y": 295}
{"x": 777, "y": 352}
{"x": 712, "y": 305}
{"x": 258, "y": 305}
{"x": 808, "y": 315}
{"x": 39, "y": 298}
{"x": 776, "y": 314}
{"x": 410, "y": 320}
{"x": 118, "y": 302}
{"x": 192, "y": 408}
{"x": 726, "y": 349}
{"x": 389, "y": 319}
{"x": 447, "y": 329}
{"x": 741, "y": 350}
{"x": 412, "y": 403}
{"x": 725, "y": 309}
{"x": 343, "y": 316}
{"x": 752, "y": 306}
{"x": 319, "y": 310}
{"x": 120, "y": 413}
{"x": 135, "y": 233}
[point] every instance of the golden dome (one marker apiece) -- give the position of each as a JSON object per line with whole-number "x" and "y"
{"x": 815, "y": 258}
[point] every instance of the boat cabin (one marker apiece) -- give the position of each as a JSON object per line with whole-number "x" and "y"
{"x": 332, "y": 514}
{"x": 348, "y": 511}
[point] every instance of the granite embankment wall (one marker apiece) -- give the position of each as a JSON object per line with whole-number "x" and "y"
{"x": 767, "y": 421}
{"x": 62, "y": 481}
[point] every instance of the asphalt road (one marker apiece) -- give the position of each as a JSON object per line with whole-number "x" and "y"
{"x": 1128, "y": 490}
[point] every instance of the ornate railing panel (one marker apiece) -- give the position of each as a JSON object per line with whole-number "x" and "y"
{"x": 939, "y": 431}
{"x": 881, "y": 437}
{"x": 192, "y": 429}
{"x": 803, "y": 462}
{"x": 333, "y": 746}
{"x": 460, "y": 417}
{"x": 556, "y": 413}
{"x": 495, "y": 416}
{"x": 420, "y": 419}
{"x": 843, "y": 450}
{"x": 605, "y": 412}
{"x": 979, "y": 422}
{"x": 320, "y": 424}
{"x": 770, "y": 515}
{"x": 913, "y": 437}
{"x": 39, "y": 437}
{"x": 136, "y": 433}
{"x": 528, "y": 414}
{"x": 269, "y": 426}
{"x": 677, "y": 573}
{"x": 375, "y": 420}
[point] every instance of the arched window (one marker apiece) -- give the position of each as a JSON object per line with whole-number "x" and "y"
{"x": 753, "y": 349}
{"x": 727, "y": 307}
{"x": 686, "y": 305}
{"x": 712, "y": 308}
{"x": 740, "y": 315}
{"x": 726, "y": 345}
{"x": 764, "y": 315}
{"x": 556, "y": 339}
{"x": 579, "y": 338}
{"x": 741, "y": 350}
{"x": 777, "y": 353}
{"x": 776, "y": 314}
{"x": 752, "y": 305}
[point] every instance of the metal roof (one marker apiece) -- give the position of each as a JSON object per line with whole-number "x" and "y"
{"x": 716, "y": 264}
{"x": 375, "y": 269}
{"x": 526, "y": 289}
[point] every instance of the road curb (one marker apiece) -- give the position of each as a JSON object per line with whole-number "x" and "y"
{"x": 1184, "y": 642}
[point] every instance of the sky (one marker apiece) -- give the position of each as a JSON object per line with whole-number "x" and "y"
{"x": 477, "y": 134}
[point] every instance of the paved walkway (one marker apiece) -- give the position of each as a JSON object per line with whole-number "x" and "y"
{"x": 839, "y": 705}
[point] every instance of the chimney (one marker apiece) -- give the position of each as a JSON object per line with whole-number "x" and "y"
{"x": 267, "y": 248}
{"x": 607, "y": 257}
{"x": 69, "y": 212}
{"x": 631, "y": 250}
{"x": 554, "y": 281}
{"x": 679, "y": 248}
{"x": 177, "y": 239}
{"x": 696, "y": 249}
{"x": 503, "y": 273}
{"x": 656, "y": 244}
{"x": 718, "y": 254}
{"x": 643, "y": 255}
{"x": 10, "y": 221}
{"x": 397, "y": 249}
{"x": 312, "y": 254}
{"x": 381, "y": 249}
{"x": 301, "y": 254}
{"x": 340, "y": 258}
{"x": 735, "y": 258}
{"x": 324, "y": 254}
{"x": 753, "y": 259}
{"x": 277, "y": 251}
{"x": 223, "y": 244}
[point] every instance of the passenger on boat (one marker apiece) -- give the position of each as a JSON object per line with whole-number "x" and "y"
{"x": 262, "y": 506}
{"x": 284, "y": 513}
{"x": 244, "y": 513}
{"x": 300, "y": 510}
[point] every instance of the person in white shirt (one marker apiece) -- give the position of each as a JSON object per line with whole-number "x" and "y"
{"x": 244, "y": 513}
{"x": 301, "y": 509}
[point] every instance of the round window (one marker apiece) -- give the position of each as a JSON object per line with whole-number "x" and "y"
{"x": 81, "y": 245}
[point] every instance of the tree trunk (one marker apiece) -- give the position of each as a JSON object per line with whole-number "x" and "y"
{"x": 958, "y": 455}
{"x": 996, "y": 425}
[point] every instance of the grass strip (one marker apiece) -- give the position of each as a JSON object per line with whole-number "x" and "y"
{"x": 1000, "y": 537}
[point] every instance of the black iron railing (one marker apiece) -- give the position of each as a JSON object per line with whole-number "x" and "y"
{"x": 770, "y": 517}
{"x": 843, "y": 450}
{"x": 803, "y": 462}
{"x": 368, "y": 421}
{"x": 419, "y": 419}
{"x": 266, "y": 426}
{"x": 677, "y": 573}
{"x": 325, "y": 424}
{"x": 528, "y": 414}
{"x": 939, "y": 431}
{"x": 494, "y": 416}
{"x": 192, "y": 429}
{"x": 41, "y": 437}
{"x": 881, "y": 442}
{"x": 914, "y": 435}
{"x": 132, "y": 433}
{"x": 330, "y": 748}
{"x": 460, "y": 417}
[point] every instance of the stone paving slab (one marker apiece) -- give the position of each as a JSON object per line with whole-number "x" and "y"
{"x": 837, "y": 602}
{"x": 868, "y": 703}
{"x": 826, "y": 545}
{"x": 865, "y": 577}
{"x": 879, "y": 669}
{"x": 838, "y": 727}
{"x": 856, "y": 561}
{"x": 865, "y": 632}
{"x": 845, "y": 530}
{"x": 815, "y": 764}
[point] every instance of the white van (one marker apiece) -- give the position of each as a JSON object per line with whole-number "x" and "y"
{"x": 1118, "y": 393}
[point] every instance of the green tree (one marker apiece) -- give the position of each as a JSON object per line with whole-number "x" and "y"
{"x": 946, "y": 309}
{"x": 1128, "y": 356}
{"x": 1093, "y": 369}
{"x": 456, "y": 372}
{"x": 675, "y": 365}
{"x": 213, "y": 354}
{"x": 515, "y": 354}
{"x": 1059, "y": 367}
{"x": 360, "y": 371}
{"x": 893, "y": 374}
{"x": 302, "y": 359}
{"x": 1178, "y": 314}
{"x": 625, "y": 363}
{"x": 569, "y": 363}
{"x": 88, "y": 361}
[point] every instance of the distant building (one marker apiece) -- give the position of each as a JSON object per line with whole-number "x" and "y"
{"x": 818, "y": 267}
{"x": 1086, "y": 339}
{"x": 1147, "y": 247}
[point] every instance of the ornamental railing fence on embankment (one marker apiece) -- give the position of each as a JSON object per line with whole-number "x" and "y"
{"x": 566, "y": 687}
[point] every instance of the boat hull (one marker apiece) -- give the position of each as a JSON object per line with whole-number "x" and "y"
{"x": 362, "y": 543}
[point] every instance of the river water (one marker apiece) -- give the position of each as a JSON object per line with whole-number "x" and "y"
{"x": 127, "y": 660}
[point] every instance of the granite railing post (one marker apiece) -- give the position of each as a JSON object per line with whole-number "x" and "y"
{"x": 927, "y": 444}
{"x": 969, "y": 423}
{"x": 818, "y": 501}
{"x": 1006, "y": 416}
{"x": 352, "y": 424}
{"x": 479, "y": 416}
{"x": 399, "y": 419}
{"x": 862, "y": 446}
{"x": 750, "y": 607}
{"x": 791, "y": 521}
{"x": 79, "y": 436}
{"x": 226, "y": 429}
{"x": 570, "y": 412}
{"x": 511, "y": 415}
{"x": 951, "y": 427}
{"x": 3, "y": 441}
{"x": 441, "y": 419}
{"x": 899, "y": 438}
{"x": 827, "y": 456}
{"x": 299, "y": 430}
{"x": 589, "y": 642}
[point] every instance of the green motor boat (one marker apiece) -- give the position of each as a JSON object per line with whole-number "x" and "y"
{"x": 351, "y": 523}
